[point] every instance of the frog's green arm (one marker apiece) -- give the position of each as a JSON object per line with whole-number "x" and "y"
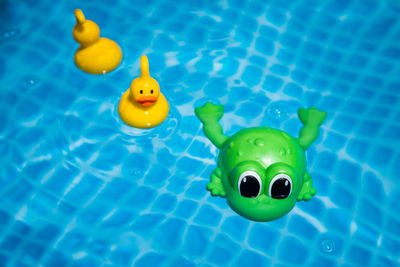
{"x": 312, "y": 119}
{"x": 209, "y": 115}
{"x": 307, "y": 190}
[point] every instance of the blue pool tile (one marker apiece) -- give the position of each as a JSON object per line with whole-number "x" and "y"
{"x": 285, "y": 56}
{"x": 57, "y": 258}
{"x": 116, "y": 188}
{"x": 229, "y": 66}
{"x": 147, "y": 223}
{"x": 381, "y": 156}
{"x": 189, "y": 165}
{"x": 177, "y": 184}
{"x": 196, "y": 237}
{"x": 357, "y": 149}
{"x": 359, "y": 255}
{"x": 173, "y": 74}
{"x": 236, "y": 227}
{"x": 291, "y": 41}
{"x": 315, "y": 206}
{"x": 118, "y": 218}
{"x": 252, "y": 75}
{"x": 263, "y": 238}
{"x": 268, "y": 32}
{"x": 216, "y": 87}
{"x": 18, "y": 192}
{"x": 250, "y": 258}
{"x": 208, "y": 215}
{"x": 344, "y": 123}
{"x": 93, "y": 213}
{"x": 326, "y": 161}
{"x": 237, "y": 52}
{"x": 349, "y": 173}
{"x": 169, "y": 235}
{"x": 393, "y": 226}
{"x": 48, "y": 232}
{"x": 82, "y": 191}
{"x": 4, "y": 218}
{"x": 157, "y": 175}
{"x": 10, "y": 243}
{"x": 249, "y": 110}
{"x": 279, "y": 69}
{"x": 181, "y": 261}
{"x": 338, "y": 221}
{"x": 392, "y": 132}
{"x": 272, "y": 83}
{"x": 384, "y": 261}
{"x": 224, "y": 250}
{"x": 334, "y": 141}
{"x": 165, "y": 203}
{"x": 33, "y": 251}
{"x": 197, "y": 189}
{"x": 299, "y": 75}
{"x": 257, "y": 60}
{"x": 98, "y": 246}
{"x": 124, "y": 256}
{"x": 373, "y": 186}
{"x": 366, "y": 235}
{"x": 72, "y": 241}
{"x": 186, "y": 208}
{"x": 264, "y": 46}
{"x": 370, "y": 212}
{"x": 390, "y": 245}
{"x": 142, "y": 197}
{"x": 293, "y": 90}
{"x": 323, "y": 261}
{"x": 291, "y": 250}
{"x": 302, "y": 227}
{"x": 343, "y": 196}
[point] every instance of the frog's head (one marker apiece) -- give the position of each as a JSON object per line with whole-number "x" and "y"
{"x": 262, "y": 173}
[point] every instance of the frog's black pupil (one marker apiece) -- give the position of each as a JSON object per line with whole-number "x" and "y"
{"x": 141, "y": 91}
{"x": 249, "y": 186}
{"x": 280, "y": 188}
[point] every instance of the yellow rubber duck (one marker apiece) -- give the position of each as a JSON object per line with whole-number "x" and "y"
{"x": 96, "y": 55}
{"x": 143, "y": 105}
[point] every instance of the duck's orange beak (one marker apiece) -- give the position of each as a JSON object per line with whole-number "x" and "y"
{"x": 147, "y": 100}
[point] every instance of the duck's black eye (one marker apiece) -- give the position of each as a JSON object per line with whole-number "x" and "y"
{"x": 141, "y": 91}
{"x": 151, "y": 91}
{"x": 280, "y": 186}
{"x": 249, "y": 184}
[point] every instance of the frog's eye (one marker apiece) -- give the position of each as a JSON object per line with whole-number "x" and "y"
{"x": 280, "y": 186}
{"x": 249, "y": 184}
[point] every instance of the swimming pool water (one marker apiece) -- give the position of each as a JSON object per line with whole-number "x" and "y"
{"x": 79, "y": 188}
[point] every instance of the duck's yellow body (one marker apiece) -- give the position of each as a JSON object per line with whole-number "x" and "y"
{"x": 143, "y": 105}
{"x": 96, "y": 55}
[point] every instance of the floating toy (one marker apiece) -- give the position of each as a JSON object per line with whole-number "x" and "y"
{"x": 261, "y": 171}
{"x": 96, "y": 55}
{"x": 143, "y": 105}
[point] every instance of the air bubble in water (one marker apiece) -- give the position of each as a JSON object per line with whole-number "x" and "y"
{"x": 328, "y": 246}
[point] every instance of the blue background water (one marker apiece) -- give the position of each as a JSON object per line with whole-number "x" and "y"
{"x": 79, "y": 188}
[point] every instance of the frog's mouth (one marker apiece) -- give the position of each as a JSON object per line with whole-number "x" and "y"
{"x": 147, "y": 100}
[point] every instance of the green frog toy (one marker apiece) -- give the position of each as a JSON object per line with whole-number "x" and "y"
{"x": 261, "y": 171}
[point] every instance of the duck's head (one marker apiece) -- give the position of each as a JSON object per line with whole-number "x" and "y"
{"x": 85, "y": 32}
{"x": 144, "y": 89}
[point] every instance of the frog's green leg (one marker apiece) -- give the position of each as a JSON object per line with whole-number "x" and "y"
{"x": 209, "y": 115}
{"x": 312, "y": 119}
{"x": 307, "y": 190}
{"x": 215, "y": 185}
